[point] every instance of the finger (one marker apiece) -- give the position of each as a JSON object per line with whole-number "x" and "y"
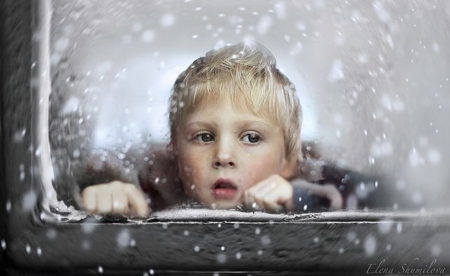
{"x": 250, "y": 201}
{"x": 267, "y": 197}
{"x": 262, "y": 201}
{"x": 104, "y": 201}
{"x": 271, "y": 203}
{"x": 120, "y": 203}
{"x": 89, "y": 199}
{"x": 137, "y": 202}
{"x": 264, "y": 188}
{"x": 278, "y": 198}
{"x": 255, "y": 194}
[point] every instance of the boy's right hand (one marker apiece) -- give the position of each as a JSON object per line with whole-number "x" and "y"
{"x": 115, "y": 198}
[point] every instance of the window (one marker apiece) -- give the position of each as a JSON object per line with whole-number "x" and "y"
{"x": 378, "y": 71}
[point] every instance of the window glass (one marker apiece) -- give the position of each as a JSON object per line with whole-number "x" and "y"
{"x": 371, "y": 77}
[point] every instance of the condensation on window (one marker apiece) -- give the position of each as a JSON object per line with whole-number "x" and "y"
{"x": 372, "y": 77}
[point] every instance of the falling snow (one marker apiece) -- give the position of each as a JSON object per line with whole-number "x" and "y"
{"x": 370, "y": 245}
{"x": 372, "y": 91}
{"x": 168, "y": 20}
{"x": 29, "y": 201}
{"x": 336, "y": 71}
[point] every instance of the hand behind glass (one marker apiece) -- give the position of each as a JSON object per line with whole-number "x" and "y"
{"x": 276, "y": 194}
{"x": 115, "y": 198}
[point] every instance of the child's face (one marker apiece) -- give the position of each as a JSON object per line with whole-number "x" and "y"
{"x": 223, "y": 151}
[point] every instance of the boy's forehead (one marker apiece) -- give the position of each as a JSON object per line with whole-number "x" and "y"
{"x": 238, "y": 105}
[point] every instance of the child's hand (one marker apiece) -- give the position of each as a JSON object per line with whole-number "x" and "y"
{"x": 272, "y": 194}
{"x": 276, "y": 193}
{"x": 115, "y": 198}
{"x": 327, "y": 191}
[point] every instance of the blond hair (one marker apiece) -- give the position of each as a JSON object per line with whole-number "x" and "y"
{"x": 247, "y": 74}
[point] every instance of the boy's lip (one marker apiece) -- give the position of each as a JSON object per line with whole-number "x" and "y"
{"x": 224, "y": 189}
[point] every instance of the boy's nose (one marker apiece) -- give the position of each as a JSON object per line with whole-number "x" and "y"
{"x": 224, "y": 161}
{"x": 223, "y": 156}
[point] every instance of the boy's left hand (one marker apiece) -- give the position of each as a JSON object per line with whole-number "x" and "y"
{"x": 272, "y": 194}
{"x": 276, "y": 194}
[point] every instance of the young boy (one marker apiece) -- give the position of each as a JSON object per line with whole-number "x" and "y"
{"x": 235, "y": 141}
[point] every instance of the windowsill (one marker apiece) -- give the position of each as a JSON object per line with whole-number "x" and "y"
{"x": 208, "y": 215}
{"x": 220, "y": 240}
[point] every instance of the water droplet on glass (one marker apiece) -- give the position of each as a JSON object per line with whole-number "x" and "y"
{"x": 8, "y": 206}
{"x": 148, "y": 36}
{"x": 436, "y": 250}
{"x": 123, "y": 238}
{"x": 238, "y": 255}
{"x": 370, "y": 245}
{"x": 167, "y": 20}
{"x": 417, "y": 197}
{"x": 221, "y": 258}
{"x": 132, "y": 243}
{"x": 265, "y": 240}
{"x": 29, "y": 201}
{"x": 88, "y": 227}
{"x": 51, "y": 234}
{"x": 76, "y": 153}
{"x": 385, "y": 226}
{"x": 351, "y": 236}
{"x": 264, "y": 24}
{"x": 399, "y": 228}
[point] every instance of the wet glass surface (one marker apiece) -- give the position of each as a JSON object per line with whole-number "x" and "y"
{"x": 372, "y": 77}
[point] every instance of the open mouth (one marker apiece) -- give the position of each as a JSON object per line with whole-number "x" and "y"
{"x": 224, "y": 189}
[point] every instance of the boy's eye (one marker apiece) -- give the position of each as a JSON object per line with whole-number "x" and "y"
{"x": 204, "y": 137}
{"x": 252, "y": 138}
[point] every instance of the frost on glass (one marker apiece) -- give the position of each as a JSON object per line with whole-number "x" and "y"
{"x": 372, "y": 76}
